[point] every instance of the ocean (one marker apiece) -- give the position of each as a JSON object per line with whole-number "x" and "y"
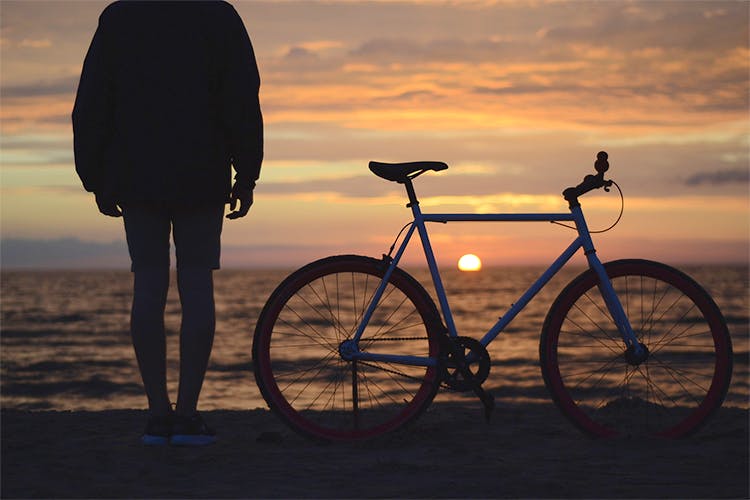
{"x": 65, "y": 343}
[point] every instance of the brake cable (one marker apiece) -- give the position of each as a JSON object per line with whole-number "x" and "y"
{"x": 622, "y": 209}
{"x": 398, "y": 236}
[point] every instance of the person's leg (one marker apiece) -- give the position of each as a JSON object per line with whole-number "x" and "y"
{"x": 197, "y": 234}
{"x": 148, "y": 335}
{"x": 196, "y": 334}
{"x": 147, "y": 230}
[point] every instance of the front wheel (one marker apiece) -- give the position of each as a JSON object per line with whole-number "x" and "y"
{"x": 302, "y": 333}
{"x": 602, "y": 388}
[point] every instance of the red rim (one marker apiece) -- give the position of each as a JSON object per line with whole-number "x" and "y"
{"x": 721, "y": 343}
{"x": 267, "y": 380}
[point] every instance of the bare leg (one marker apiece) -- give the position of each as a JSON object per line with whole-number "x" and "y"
{"x": 196, "y": 334}
{"x": 149, "y": 339}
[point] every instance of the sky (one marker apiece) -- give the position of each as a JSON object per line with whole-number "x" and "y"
{"x": 516, "y": 96}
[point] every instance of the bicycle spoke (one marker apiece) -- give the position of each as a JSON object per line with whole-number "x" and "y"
{"x": 302, "y": 373}
{"x": 665, "y": 338}
{"x": 316, "y": 339}
{"x": 603, "y": 370}
{"x": 685, "y": 375}
{"x": 309, "y": 382}
{"x": 325, "y": 302}
{"x": 672, "y": 390}
{"x": 582, "y": 331}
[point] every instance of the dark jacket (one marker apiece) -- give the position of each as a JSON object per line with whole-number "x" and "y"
{"x": 168, "y": 103}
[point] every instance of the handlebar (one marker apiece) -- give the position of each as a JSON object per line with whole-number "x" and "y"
{"x": 590, "y": 182}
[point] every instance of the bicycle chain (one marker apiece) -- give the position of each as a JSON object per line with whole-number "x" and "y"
{"x": 446, "y": 380}
{"x": 395, "y": 339}
{"x": 443, "y": 384}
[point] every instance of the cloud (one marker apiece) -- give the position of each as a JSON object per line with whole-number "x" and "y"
{"x": 521, "y": 93}
{"x": 36, "y": 150}
{"x": 719, "y": 177}
{"x": 273, "y": 256}
{"x": 409, "y": 84}
{"x": 521, "y": 63}
{"x": 297, "y": 54}
{"x": 510, "y": 90}
{"x": 61, "y": 86}
{"x": 42, "y": 43}
{"x": 410, "y": 96}
{"x": 680, "y": 25}
{"x": 63, "y": 253}
{"x": 439, "y": 49}
{"x": 74, "y": 253}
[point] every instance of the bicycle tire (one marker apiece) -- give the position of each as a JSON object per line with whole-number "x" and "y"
{"x": 298, "y": 367}
{"x": 674, "y": 391}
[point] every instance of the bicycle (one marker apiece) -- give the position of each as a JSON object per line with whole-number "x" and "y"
{"x": 351, "y": 347}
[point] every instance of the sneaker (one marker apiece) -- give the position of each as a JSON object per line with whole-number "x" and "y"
{"x": 158, "y": 430}
{"x": 191, "y": 431}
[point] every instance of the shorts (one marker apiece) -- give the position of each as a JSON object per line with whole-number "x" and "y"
{"x": 196, "y": 231}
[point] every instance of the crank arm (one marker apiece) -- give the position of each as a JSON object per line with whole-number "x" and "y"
{"x": 462, "y": 366}
{"x": 485, "y": 397}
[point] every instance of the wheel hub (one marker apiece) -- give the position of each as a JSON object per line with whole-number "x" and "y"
{"x": 634, "y": 358}
{"x": 348, "y": 349}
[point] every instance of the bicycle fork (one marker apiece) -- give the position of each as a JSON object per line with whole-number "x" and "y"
{"x": 635, "y": 352}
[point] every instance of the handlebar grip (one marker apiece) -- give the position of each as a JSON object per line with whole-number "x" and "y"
{"x": 590, "y": 182}
{"x": 601, "y": 164}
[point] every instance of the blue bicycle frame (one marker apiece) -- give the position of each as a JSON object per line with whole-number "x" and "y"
{"x": 582, "y": 241}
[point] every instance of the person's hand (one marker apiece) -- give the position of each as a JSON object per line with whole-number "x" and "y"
{"x": 242, "y": 194}
{"x": 108, "y": 206}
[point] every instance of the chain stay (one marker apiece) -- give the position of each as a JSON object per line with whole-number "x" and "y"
{"x": 443, "y": 384}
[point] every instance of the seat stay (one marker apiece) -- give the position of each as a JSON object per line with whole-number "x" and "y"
{"x": 418, "y": 224}
{"x": 365, "y": 320}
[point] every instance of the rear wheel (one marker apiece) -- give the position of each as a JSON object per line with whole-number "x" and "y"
{"x": 302, "y": 331}
{"x": 601, "y": 388}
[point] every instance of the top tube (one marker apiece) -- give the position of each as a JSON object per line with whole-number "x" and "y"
{"x": 500, "y": 217}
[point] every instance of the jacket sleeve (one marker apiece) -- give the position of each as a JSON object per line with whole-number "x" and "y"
{"x": 241, "y": 104}
{"x": 92, "y": 115}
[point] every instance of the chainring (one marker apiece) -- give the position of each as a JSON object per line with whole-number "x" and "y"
{"x": 464, "y": 351}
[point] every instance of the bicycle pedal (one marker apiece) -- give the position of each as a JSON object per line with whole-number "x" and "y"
{"x": 487, "y": 399}
{"x": 489, "y": 406}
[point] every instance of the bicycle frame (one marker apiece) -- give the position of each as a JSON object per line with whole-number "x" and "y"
{"x": 583, "y": 241}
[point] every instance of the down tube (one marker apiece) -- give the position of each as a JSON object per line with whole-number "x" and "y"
{"x": 532, "y": 291}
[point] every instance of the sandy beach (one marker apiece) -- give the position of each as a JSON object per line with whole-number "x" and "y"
{"x": 526, "y": 451}
{"x": 72, "y": 414}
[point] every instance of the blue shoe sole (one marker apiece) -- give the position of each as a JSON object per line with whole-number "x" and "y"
{"x": 151, "y": 440}
{"x": 191, "y": 440}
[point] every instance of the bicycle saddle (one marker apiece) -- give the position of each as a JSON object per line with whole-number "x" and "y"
{"x": 400, "y": 172}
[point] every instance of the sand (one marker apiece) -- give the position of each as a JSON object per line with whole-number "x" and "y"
{"x": 526, "y": 451}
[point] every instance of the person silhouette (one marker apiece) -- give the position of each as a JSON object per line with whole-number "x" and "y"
{"x": 167, "y": 103}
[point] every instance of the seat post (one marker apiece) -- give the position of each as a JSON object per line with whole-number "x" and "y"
{"x": 410, "y": 192}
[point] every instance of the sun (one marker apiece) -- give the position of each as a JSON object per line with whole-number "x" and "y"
{"x": 469, "y": 262}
